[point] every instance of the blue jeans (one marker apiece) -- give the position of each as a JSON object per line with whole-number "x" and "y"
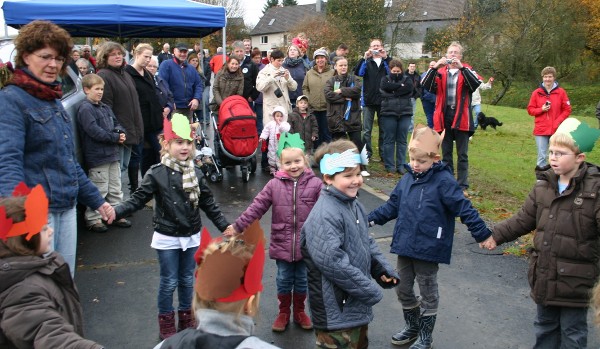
{"x": 324, "y": 135}
{"x": 291, "y": 276}
{"x": 176, "y": 271}
{"x": 413, "y": 101}
{"x": 124, "y": 157}
{"x": 394, "y": 142}
{"x": 368, "y": 119}
{"x": 476, "y": 111}
{"x": 64, "y": 240}
{"x": 425, "y": 273}
{"x": 542, "y": 143}
{"x": 560, "y": 328}
{"x": 428, "y": 109}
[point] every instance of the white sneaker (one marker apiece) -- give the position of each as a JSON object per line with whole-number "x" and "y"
{"x": 365, "y": 173}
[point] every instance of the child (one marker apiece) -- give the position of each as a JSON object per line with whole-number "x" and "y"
{"x": 179, "y": 192}
{"x": 304, "y": 122}
{"x": 340, "y": 256}
{"x": 39, "y": 304}
{"x": 100, "y": 135}
{"x": 424, "y": 203}
{"x": 292, "y": 193}
{"x": 272, "y": 131}
{"x": 224, "y": 306}
{"x": 562, "y": 208}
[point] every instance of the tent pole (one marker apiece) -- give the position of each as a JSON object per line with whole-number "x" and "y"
{"x": 224, "y": 45}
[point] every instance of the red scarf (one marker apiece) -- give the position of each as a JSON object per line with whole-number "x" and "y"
{"x": 34, "y": 87}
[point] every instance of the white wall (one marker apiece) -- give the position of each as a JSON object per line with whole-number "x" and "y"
{"x": 274, "y": 39}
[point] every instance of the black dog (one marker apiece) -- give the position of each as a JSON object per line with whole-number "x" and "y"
{"x": 485, "y": 121}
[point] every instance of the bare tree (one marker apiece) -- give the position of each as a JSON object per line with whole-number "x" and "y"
{"x": 400, "y": 16}
{"x": 233, "y": 8}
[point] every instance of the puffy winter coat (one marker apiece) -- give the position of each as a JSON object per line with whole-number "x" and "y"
{"x": 174, "y": 214}
{"x": 306, "y": 127}
{"x": 425, "y": 210}
{"x": 344, "y": 263}
{"x": 337, "y": 104}
{"x": 372, "y": 75}
{"x": 292, "y": 200}
{"x": 314, "y": 85}
{"x": 396, "y": 93}
{"x": 546, "y": 123}
{"x": 563, "y": 266}
{"x": 226, "y": 84}
{"x": 267, "y": 83}
{"x": 99, "y": 141}
{"x": 183, "y": 80}
{"x": 39, "y": 304}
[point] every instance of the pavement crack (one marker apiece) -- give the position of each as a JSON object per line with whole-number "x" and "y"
{"x": 83, "y": 267}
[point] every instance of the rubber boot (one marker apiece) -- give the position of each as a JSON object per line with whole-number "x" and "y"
{"x": 166, "y": 325}
{"x": 186, "y": 320}
{"x": 410, "y": 331}
{"x": 300, "y": 316}
{"x": 283, "y": 318}
{"x": 425, "y": 339}
{"x": 132, "y": 173}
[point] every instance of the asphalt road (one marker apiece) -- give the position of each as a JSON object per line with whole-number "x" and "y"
{"x": 484, "y": 298}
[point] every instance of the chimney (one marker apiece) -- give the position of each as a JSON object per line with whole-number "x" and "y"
{"x": 319, "y": 5}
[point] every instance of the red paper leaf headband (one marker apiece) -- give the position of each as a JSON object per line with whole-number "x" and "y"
{"x": 223, "y": 277}
{"x": 36, "y": 213}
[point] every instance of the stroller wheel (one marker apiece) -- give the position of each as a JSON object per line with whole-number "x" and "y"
{"x": 245, "y": 174}
{"x": 214, "y": 177}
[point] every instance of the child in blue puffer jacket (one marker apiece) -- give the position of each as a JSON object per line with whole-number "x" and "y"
{"x": 292, "y": 192}
{"x": 424, "y": 203}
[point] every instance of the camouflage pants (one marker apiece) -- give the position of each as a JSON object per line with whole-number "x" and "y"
{"x": 352, "y": 338}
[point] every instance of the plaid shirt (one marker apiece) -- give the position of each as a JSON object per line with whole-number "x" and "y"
{"x": 451, "y": 86}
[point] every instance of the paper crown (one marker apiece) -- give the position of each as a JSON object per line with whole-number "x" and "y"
{"x": 36, "y": 213}
{"x": 289, "y": 140}
{"x": 426, "y": 139}
{"x": 336, "y": 162}
{"x": 223, "y": 277}
{"x": 177, "y": 127}
{"x": 583, "y": 135}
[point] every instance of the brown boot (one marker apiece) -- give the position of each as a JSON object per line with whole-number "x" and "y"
{"x": 166, "y": 325}
{"x": 283, "y": 318}
{"x": 186, "y": 320}
{"x": 300, "y": 316}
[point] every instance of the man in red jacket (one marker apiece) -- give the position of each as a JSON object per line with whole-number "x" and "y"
{"x": 453, "y": 82}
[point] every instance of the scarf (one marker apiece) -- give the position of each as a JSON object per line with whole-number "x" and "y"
{"x": 190, "y": 180}
{"x": 292, "y": 62}
{"x": 38, "y": 89}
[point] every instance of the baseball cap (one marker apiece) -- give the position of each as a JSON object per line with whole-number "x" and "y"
{"x": 181, "y": 46}
{"x": 301, "y": 97}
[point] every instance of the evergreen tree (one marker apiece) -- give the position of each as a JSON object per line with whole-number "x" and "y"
{"x": 269, "y": 4}
{"x": 289, "y": 3}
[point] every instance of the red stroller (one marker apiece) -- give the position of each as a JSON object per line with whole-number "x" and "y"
{"x": 236, "y": 139}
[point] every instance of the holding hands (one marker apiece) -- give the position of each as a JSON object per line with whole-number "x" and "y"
{"x": 488, "y": 243}
{"x": 229, "y": 231}
{"x": 107, "y": 212}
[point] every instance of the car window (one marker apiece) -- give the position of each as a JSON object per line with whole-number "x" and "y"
{"x": 68, "y": 85}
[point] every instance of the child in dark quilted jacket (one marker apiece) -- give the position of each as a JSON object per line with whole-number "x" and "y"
{"x": 304, "y": 122}
{"x": 292, "y": 193}
{"x": 343, "y": 261}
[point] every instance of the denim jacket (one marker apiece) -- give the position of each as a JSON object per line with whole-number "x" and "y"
{"x": 38, "y": 147}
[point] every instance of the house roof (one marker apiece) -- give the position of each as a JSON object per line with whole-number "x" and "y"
{"x": 432, "y": 10}
{"x": 281, "y": 19}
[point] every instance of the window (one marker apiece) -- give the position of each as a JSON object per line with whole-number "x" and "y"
{"x": 272, "y": 21}
{"x": 285, "y": 39}
{"x": 264, "y": 39}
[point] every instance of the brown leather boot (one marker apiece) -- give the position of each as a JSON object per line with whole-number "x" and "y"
{"x": 186, "y": 320}
{"x": 283, "y": 318}
{"x": 166, "y": 325}
{"x": 300, "y": 316}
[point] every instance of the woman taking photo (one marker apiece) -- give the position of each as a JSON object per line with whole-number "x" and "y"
{"x": 229, "y": 81}
{"x": 37, "y": 135}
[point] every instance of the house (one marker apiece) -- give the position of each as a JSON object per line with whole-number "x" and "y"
{"x": 272, "y": 30}
{"x": 414, "y": 18}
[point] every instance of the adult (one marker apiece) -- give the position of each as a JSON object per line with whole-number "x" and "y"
{"x": 341, "y": 51}
{"x": 314, "y": 87}
{"x": 397, "y": 91}
{"x": 194, "y": 61}
{"x": 121, "y": 95}
{"x": 151, "y": 108}
{"x": 428, "y": 99}
{"x": 38, "y": 145}
{"x": 165, "y": 54}
{"x": 184, "y": 82}
{"x": 549, "y": 105}
{"x": 247, "y": 49}
{"x": 216, "y": 62}
{"x": 342, "y": 93}
{"x": 83, "y": 67}
{"x": 228, "y": 82}
{"x": 205, "y": 61}
{"x": 476, "y": 99}
{"x": 258, "y": 106}
{"x": 196, "y": 50}
{"x": 453, "y": 82}
{"x": 274, "y": 82}
{"x": 72, "y": 60}
{"x": 297, "y": 68}
{"x": 249, "y": 70}
{"x": 86, "y": 52}
{"x": 373, "y": 66}
{"x": 412, "y": 74}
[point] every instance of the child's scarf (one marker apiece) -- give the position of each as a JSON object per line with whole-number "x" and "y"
{"x": 190, "y": 181}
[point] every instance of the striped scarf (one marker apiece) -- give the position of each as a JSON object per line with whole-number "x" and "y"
{"x": 190, "y": 181}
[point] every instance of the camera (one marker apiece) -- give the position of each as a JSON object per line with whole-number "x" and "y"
{"x": 278, "y": 93}
{"x": 547, "y": 104}
{"x": 448, "y": 61}
{"x": 375, "y": 52}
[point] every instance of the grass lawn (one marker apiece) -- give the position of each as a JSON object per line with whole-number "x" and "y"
{"x": 501, "y": 163}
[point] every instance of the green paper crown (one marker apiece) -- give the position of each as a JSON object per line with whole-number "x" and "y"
{"x": 583, "y": 135}
{"x": 289, "y": 140}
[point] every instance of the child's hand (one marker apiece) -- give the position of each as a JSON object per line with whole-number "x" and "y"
{"x": 122, "y": 138}
{"x": 229, "y": 231}
{"x": 386, "y": 279}
{"x": 107, "y": 212}
{"x": 489, "y": 243}
{"x": 313, "y": 138}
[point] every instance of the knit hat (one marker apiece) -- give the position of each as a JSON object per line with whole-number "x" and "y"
{"x": 36, "y": 213}
{"x": 177, "y": 127}
{"x": 320, "y": 52}
{"x": 582, "y": 134}
{"x": 425, "y": 139}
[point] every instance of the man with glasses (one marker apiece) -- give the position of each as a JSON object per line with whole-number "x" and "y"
{"x": 184, "y": 82}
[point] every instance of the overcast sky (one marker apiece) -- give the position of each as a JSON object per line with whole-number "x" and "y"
{"x": 254, "y": 9}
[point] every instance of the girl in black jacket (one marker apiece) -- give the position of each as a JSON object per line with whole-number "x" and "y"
{"x": 396, "y": 111}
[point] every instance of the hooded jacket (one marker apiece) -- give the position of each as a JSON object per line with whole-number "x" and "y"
{"x": 563, "y": 266}
{"x": 425, "y": 210}
{"x": 343, "y": 261}
{"x": 306, "y": 127}
{"x": 291, "y": 201}
{"x": 546, "y": 123}
{"x": 226, "y": 84}
{"x": 39, "y": 304}
{"x": 337, "y": 104}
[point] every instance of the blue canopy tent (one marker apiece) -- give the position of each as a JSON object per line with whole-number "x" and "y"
{"x": 117, "y": 18}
